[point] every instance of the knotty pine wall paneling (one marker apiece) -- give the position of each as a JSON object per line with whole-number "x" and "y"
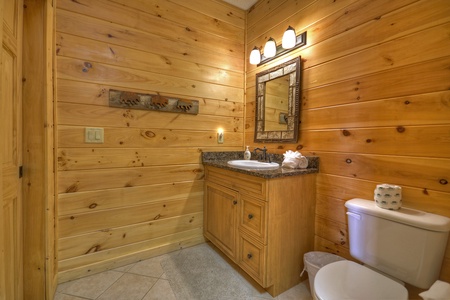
{"x": 139, "y": 194}
{"x": 375, "y": 101}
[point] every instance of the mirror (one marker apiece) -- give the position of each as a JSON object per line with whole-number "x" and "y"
{"x": 277, "y": 103}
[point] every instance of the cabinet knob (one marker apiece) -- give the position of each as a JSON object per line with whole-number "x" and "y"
{"x": 250, "y": 216}
{"x": 249, "y": 256}
{"x": 234, "y": 202}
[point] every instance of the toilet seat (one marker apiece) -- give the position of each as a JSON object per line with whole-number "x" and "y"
{"x": 349, "y": 280}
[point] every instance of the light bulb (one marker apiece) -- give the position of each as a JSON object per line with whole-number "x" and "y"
{"x": 255, "y": 56}
{"x": 289, "y": 38}
{"x": 270, "y": 49}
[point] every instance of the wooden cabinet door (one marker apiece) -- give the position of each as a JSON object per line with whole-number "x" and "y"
{"x": 220, "y": 218}
{"x": 11, "y": 235}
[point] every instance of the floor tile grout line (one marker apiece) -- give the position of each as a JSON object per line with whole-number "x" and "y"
{"x": 150, "y": 289}
{"x": 123, "y": 273}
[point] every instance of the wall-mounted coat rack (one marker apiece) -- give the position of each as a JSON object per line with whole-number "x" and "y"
{"x": 124, "y": 99}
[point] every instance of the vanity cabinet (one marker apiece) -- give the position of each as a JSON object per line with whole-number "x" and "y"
{"x": 263, "y": 225}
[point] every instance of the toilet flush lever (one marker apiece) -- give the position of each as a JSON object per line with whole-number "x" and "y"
{"x": 356, "y": 216}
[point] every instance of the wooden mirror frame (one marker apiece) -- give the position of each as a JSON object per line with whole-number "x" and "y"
{"x": 290, "y": 135}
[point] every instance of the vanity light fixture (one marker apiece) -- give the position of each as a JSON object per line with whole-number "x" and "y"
{"x": 289, "y": 38}
{"x": 290, "y": 42}
{"x": 255, "y": 56}
{"x": 270, "y": 49}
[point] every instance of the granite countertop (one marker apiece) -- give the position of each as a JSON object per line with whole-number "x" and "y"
{"x": 220, "y": 159}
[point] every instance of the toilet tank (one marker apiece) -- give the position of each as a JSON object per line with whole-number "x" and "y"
{"x": 407, "y": 244}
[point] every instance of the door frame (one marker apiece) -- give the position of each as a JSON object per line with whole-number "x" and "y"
{"x": 39, "y": 175}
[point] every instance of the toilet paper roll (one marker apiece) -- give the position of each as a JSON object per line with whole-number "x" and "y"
{"x": 439, "y": 290}
{"x": 388, "y": 196}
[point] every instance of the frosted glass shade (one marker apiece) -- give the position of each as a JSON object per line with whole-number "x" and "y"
{"x": 289, "y": 38}
{"x": 255, "y": 56}
{"x": 270, "y": 49}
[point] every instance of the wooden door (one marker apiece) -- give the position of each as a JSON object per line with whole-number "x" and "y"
{"x": 11, "y": 222}
{"x": 220, "y": 218}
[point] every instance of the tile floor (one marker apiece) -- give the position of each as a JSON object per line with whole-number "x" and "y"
{"x": 146, "y": 280}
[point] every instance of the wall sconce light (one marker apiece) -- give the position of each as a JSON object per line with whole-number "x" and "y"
{"x": 220, "y": 136}
{"x": 290, "y": 42}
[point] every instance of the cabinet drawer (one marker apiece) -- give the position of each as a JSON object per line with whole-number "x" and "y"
{"x": 252, "y": 217}
{"x": 245, "y": 184}
{"x": 252, "y": 259}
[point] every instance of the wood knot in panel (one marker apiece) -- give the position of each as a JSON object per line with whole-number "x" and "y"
{"x": 345, "y": 132}
{"x": 101, "y": 93}
{"x": 93, "y": 249}
{"x": 443, "y": 181}
{"x": 93, "y": 205}
{"x": 128, "y": 114}
{"x": 148, "y": 134}
{"x": 401, "y": 129}
{"x": 72, "y": 188}
{"x": 86, "y": 67}
{"x": 299, "y": 147}
{"x": 348, "y": 160}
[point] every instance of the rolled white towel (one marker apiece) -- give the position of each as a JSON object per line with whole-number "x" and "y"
{"x": 294, "y": 160}
{"x": 302, "y": 162}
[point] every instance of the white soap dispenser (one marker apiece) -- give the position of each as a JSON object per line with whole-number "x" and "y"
{"x": 247, "y": 154}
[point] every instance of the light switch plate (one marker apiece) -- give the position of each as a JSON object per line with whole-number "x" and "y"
{"x": 93, "y": 135}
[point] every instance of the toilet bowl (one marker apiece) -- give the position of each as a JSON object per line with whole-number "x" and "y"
{"x": 408, "y": 245}
{"x": 349, "y": 280}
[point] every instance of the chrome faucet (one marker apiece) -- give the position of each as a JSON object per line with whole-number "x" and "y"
{"x": 264, "y": 152}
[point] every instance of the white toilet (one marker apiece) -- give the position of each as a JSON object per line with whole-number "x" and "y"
{"x": 406, "y": 245}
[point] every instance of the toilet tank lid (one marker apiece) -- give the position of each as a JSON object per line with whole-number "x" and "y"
{"x": 404, "y": 215}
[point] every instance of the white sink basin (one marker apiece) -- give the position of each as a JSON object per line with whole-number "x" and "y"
{"x": 253, "y": 165}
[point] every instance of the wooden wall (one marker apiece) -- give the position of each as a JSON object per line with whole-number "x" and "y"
{"x": 139, "y": 194}
{"x": 375, "y": 101}
{"x": 375, "y": 109}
